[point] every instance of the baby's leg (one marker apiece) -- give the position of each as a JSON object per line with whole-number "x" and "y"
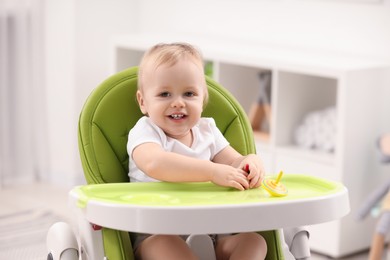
{"x": 243, "y": 246}
{"x": 163, "y": 247}
{"x": 378, "y": 241}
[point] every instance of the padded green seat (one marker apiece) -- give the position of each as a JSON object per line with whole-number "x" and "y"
{"x": 105, "y": 121}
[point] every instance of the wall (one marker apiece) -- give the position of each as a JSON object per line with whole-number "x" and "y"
{"x": 60, "y": 87}
{"x": 78, "y": 38}
{"x": 96, "y": 22}
{"x": 339, "y": 26}
{"x": 77, "y": 60}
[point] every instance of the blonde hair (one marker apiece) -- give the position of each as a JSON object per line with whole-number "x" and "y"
{"x": 169, "y": 54}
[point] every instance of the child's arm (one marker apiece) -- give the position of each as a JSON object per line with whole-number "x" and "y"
{"x": 172, "y": 167}
{"x": 231, "y": 157}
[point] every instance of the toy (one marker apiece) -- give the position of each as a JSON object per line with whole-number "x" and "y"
{"x": 274, "y": 187}
{"x": 260, "y": 111}
{"x": 383, "y": 225}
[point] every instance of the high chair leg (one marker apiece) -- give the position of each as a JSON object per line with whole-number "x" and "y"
{"x": 300, "y": 246}
{"x": 202, "y": 246}
{"x": 297, "y": 239}
{"x": 61, "y": 242}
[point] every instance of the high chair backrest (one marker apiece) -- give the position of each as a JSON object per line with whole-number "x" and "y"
{"x": 112, "y": 110}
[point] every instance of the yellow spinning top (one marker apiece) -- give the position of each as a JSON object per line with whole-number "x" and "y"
{"x": 274, "y": 187}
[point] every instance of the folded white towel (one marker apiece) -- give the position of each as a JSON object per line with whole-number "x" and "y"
{"x": 318, "y": 130}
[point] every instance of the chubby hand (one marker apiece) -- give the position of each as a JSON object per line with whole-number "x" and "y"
{"x": 254, "y": 167}
{"x": 228, "y": 176}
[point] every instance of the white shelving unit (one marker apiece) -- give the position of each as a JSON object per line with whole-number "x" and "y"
{"x": 302, "y": 82}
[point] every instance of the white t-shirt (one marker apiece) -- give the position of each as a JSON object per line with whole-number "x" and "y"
{"x": 208, "y": 141}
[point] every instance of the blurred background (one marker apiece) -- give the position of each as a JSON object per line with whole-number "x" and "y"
{"x": 54, "y": 52}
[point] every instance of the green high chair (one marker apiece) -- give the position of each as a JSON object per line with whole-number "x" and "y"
{"x": 110, "y": 208}
{"x": 108, "y": 115}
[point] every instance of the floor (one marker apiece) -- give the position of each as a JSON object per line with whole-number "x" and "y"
{"x": 26, "y": 214}
{"x": 54, "y": 198}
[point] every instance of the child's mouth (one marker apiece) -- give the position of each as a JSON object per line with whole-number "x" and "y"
{"x": 177, "y": 116}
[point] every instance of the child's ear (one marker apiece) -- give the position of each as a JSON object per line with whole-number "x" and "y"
{"x": 141, "y": 102}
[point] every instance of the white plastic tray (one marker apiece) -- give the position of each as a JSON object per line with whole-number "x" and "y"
{"x": 203, "y": 208}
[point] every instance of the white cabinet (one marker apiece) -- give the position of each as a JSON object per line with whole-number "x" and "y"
{"x": 302, "y": 82}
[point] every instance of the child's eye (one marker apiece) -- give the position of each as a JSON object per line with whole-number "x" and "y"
{"x": 189, "y": 94}
{"x": 164, "y": 94}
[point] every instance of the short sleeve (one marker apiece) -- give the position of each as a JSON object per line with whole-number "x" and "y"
{"x": 208, "y": 126}
{"x": 143, "y": 132}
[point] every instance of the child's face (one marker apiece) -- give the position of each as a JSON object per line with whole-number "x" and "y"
{"x": 173, "y": 97}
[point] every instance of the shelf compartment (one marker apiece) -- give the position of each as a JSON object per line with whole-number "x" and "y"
{"x": 242, "y": 81}
{"x": 297, "y": 96}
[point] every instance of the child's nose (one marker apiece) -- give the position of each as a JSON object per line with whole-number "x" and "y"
{"x": 178, "y": 102}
